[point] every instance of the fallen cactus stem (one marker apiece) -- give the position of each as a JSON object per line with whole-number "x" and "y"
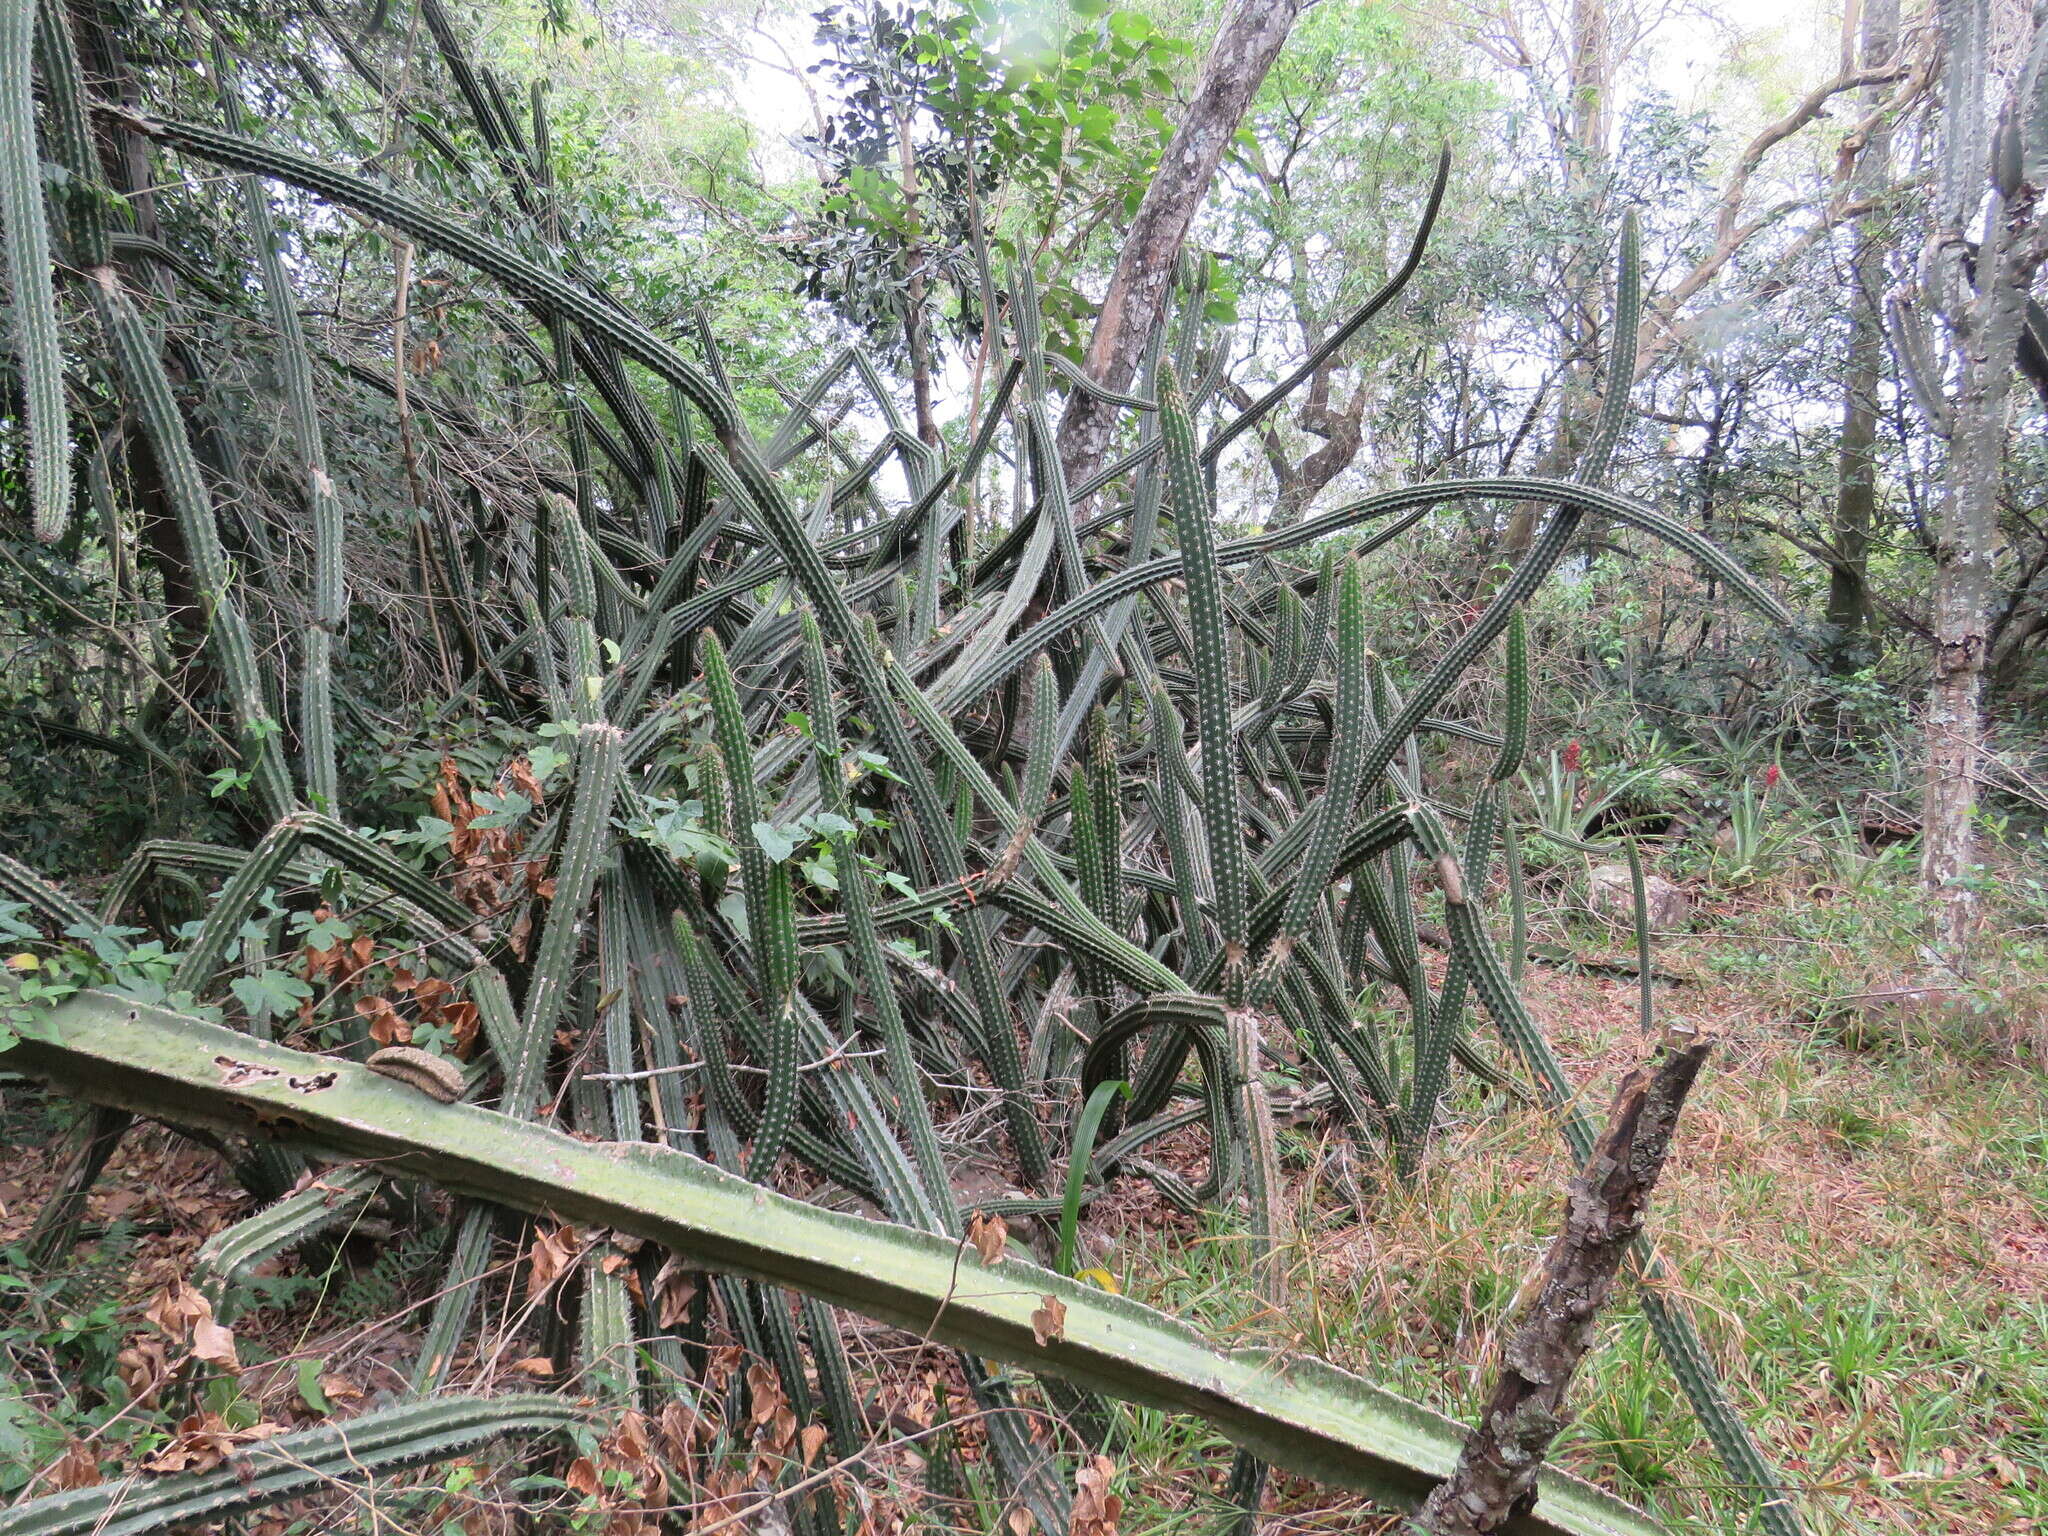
{"x": 1296, "y": 1412}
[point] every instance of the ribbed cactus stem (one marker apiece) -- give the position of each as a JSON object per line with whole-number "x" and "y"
{"x": 568, "y": 546}
{"x": 295, "y": 365}
{"x": 1223, "y": 827}
{"x": 28, "y": 273}
{"x": 1330, "y": 818}
{"x": 771, "y": 910}
{"x": 1515, "y": 718}
{"x": 856, "y": 896}
{"x": 271, "y": 1472}
{"x": 135, "y": 353}
{"x": 585, "y": 845}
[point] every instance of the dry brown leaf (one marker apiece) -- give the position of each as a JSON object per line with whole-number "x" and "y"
{"x": 810, "y": 1442}
{"x": 764, "y": 1392}
{"x": 1095, "y": 1510}
{"x": 554, "y": 1250}
{"x": 176, "y": 1309}
{"x": 675, "y": 1287}
{"x": 1049, "y": 1320}
{"x": 76, "y": 1468}
{"x": 340, "y": 1389}
{"x": 534, "y": 1365}
{"x": 520, "y": 772}
{"x": 143, "y": 1370}
{"x": 989, "y": 1234}
{"x": 203, "y": 1442}
{"x": 214, "y": 1344}
{"x": 387, "y": 1026}
{"x": 463, "y": 1021}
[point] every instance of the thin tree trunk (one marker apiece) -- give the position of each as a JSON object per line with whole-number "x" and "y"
{"x": 916, "y": 322}
{"x": 1964, "y": 546}
{"x": 1984, "y": 302}
{"x": 1848, "y": 606}
{"x": 1495, "y": 1479}
{"x": 1246, "y": 45}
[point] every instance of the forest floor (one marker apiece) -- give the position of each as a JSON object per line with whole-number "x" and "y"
{"x": 1857, "y": 1209}
{"x": 1857, "y": 1206}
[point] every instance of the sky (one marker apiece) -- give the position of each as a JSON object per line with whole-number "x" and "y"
{"x": 1792, "y": 42}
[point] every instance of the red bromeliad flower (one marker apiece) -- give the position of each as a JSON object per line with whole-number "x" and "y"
{"x": 1771, "y": 777}
{"x": 1571, "y": 756}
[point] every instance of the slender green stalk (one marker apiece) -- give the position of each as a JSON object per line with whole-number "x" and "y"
{"x": 1223, "y": 829}
{"x": 28, "y": 274}
{"x": 234, "y": 648}
{"x": 771, "y": 912}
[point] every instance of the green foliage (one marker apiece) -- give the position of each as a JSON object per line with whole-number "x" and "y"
{"x": 60, "y": 1329}
{"x": 957, "y": 120}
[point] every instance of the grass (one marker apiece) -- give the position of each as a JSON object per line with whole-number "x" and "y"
{"x": 1863, "y": 1229}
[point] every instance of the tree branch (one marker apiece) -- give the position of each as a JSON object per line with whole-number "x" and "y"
{"x": 1494, "y": 1482}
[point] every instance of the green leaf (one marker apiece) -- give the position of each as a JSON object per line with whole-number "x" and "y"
{"x": 269, "y": 993}
{"x": 309, "y": 1386}
{"x": 774, "y": 841}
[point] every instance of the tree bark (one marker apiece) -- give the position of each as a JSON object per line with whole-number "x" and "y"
{"x": 1246, "y": 45}
{"x": 1848, "y": 606}
{"x": 1964, "y": 547}
{"x": 916, "y": 299}
{"x": 1495, "y": 1479}
{"x": 1982, "y": 294}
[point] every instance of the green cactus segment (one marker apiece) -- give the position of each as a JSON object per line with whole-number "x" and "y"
{"x": 332, "y": 1199}
{"x": 1515, "y": 738}
{"x": 291, "y": 1466}
{"x": 234, "y": 648}
{"x": 1433, "y": 1054}
{"x": 275, "y": 858}
{"x": 28, "y": 273}
{"x": 574, "y": 558}
{"x": 1330, "y": 818}
{"x": 599, "y": 759}
{"x": 1550, "y": 545}
{"x": 20, "y": 883}
{"x": 1194, "y": 517}
{"x": 1294, "y": 1411}
{"x": 295, "y": 364}
{"x": 771, "y": 909}
{"x": 69, "y": 138}
{"x": 856, "y": 896}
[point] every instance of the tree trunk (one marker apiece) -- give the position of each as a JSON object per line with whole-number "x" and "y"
{"x": 1495, "y": 1479}
{"x": 916, "y": 320}
{"x": 1964, "y": 547}
{"x": 1983, "y": 296}
{"x": 1246, "y": 45}
{"x": 1856, "y": 487}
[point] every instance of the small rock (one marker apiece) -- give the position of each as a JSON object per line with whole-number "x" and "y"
{"x": 1609, "y": 894}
